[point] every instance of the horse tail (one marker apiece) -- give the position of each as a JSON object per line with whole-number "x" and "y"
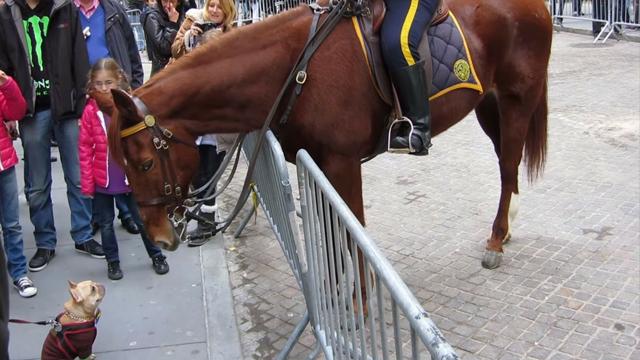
{"x": 535, "y": 146}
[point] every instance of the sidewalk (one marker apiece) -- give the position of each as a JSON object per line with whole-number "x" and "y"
{"x": 185, "y": 314}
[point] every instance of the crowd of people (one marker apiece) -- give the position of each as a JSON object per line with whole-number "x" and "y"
{"x": 56, "y": 58}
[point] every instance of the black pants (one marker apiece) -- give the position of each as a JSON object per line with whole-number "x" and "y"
{"x": 4, "y": 307}
{"x": 600, "y": 11}
{"x": 210, "y": 161}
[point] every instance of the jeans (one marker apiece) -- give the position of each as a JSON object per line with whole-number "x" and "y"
{"x": 35, "y": 134}
{"x": 123, "y": 210}
{"x": 103, "y": 204}
{"x": 4, "y": 308}
{"x": 11, "y": 229}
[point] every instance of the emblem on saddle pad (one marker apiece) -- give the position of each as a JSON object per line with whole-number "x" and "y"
{"x": 462, "y": 69}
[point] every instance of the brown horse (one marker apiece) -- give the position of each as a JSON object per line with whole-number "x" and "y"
{"x": 229, "y": 85}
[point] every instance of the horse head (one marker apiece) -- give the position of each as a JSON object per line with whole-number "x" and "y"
{"x": 159, "y": 161}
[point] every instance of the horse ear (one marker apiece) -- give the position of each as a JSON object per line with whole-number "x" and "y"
{"x": 126, "y": 108}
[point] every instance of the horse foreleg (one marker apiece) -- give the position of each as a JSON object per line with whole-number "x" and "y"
{"x": 512, "y": 115}
{"x": 346, "y": 177}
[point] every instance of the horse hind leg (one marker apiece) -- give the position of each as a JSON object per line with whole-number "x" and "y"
{"x": 488, "y": 115}
{"x": 505, "y": 120}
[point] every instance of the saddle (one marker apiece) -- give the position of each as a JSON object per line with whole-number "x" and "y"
{"x": 367, "y": 27}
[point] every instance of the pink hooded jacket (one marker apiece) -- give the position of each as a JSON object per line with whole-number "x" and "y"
{"x": 12, "y": 107}
{"x": 93, "y": 149}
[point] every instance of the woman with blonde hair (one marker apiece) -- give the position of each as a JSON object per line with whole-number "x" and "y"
{"x": 200, "y": 25}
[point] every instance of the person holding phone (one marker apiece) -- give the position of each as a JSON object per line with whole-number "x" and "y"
{"x": 200, "y": 25}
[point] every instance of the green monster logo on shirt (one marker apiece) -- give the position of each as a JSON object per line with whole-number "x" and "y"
{"x": 39, "y": 25}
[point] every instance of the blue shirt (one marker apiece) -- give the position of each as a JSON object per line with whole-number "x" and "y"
{"x": 97, "y": 39}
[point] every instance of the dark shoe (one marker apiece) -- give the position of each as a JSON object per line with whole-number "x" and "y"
{"x": 94, "y": 228}
{"x": 41, "y": 259}
{"x": 201, "y": 235}
{"x": 113, "y": 270}
{"x": 160, "y": 265}
{"x": 411, "y": 86}
{"x": 92, "y": 248}
{"x": 204, "y": 232}
{"x": 130, "y": 225}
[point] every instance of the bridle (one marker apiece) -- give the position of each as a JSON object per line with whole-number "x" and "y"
{"x": 161, "y": 138}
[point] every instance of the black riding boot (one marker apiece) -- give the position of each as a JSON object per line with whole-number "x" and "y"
{"x": 411, "y": 85}
{"x": 204, "y": 231}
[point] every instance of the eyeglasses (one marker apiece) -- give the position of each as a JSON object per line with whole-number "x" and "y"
{"x": 103, "y": 84}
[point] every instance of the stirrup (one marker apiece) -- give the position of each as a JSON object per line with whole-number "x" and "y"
{"x": 408, "y": 150}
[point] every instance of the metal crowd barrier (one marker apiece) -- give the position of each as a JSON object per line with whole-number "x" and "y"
{"x": 396, "y": 324}
{"x": 138, "y": 32}
{"x": 328, "y": 272}
{"x": 606, "y": 16}
{"x": 272, "y": 190}
{"x": 250, "y": 11}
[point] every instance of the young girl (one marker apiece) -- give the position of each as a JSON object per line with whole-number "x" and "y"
{"x": 103, "y": 178}
{"x": 12, "y": 107}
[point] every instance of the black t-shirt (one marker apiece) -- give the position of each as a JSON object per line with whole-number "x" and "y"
{"x": 36, "y": 25}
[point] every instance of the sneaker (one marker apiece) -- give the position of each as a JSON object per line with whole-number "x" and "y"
{"x": 113, "y": 270}
{"x": 159, "y": 263}
{"x": 25, "y": 287}
{"x": 92, "y": 248}
{"x": 130, "y": 225}
{"x": 41, "y": 259}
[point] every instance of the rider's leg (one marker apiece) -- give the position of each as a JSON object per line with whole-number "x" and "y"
{"x": 401, "y": 33}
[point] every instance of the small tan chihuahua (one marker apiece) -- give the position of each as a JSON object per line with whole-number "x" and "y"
{"x": 75, "y": 328}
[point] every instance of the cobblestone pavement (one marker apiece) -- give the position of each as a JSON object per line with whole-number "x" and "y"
{"x": 570, "y": 281}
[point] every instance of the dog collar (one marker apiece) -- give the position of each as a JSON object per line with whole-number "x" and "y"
{"x": 77, "y": 317}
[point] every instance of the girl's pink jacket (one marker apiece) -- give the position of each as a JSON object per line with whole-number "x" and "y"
{"x": 93, "y": 149}
{"x": 12, "y": 107}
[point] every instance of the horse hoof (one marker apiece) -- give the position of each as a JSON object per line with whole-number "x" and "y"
{"x": 491, "y": 259}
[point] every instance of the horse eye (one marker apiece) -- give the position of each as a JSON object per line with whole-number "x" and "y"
{"x": 146, "y": 166}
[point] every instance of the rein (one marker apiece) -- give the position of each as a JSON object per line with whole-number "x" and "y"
{"x": 173, "y": 194}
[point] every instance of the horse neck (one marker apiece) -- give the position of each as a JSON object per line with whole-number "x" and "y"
{"x": 232, "y": 92}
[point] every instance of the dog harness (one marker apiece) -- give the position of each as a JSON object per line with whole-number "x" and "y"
{"x": 70, "y": 340}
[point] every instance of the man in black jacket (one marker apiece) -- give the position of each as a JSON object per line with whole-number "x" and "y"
{"x": 42, "y": 47}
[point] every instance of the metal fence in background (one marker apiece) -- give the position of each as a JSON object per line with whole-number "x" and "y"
{"x": 138, "y": 32}
{"x": 396, "y": 325}
{"x": 602, "y": 17}
{"x": 250, "y": 11}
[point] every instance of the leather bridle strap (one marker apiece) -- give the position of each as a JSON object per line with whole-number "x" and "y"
{"x": 160, "y": 138}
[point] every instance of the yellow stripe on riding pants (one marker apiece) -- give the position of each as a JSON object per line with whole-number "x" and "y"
{"x": 404, "y": 34}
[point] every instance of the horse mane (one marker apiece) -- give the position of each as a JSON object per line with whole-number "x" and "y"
{"x": 237, "y": 41}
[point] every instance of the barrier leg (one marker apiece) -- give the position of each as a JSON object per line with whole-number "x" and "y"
{"x": 293, "y": 338}
{"x": 244, "y": 223}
